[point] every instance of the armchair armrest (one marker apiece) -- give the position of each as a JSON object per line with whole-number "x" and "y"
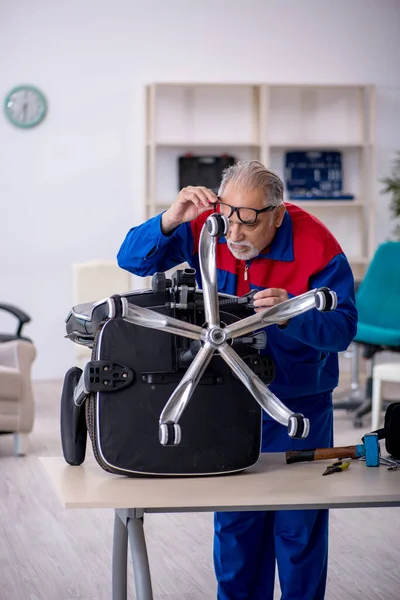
{"x": 17, "y": 312}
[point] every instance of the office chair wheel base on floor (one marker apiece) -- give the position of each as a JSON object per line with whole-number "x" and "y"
{"x": 363, "y": 410}
{"x": 366, "y": 405}
{"x": 355, "y": 399}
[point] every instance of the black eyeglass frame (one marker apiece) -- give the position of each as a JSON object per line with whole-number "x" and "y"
{"x": 236, "y": 209}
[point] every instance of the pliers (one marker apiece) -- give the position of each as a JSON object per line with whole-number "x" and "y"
{"x": 337, "y": 467}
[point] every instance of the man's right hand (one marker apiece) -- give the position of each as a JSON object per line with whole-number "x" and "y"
{"x": 190, "y": 203}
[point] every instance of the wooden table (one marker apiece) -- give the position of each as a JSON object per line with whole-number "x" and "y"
{"x": 270, "y": 485}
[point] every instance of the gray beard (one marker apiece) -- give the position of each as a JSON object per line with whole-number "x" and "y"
{"x": 248, "y": 254}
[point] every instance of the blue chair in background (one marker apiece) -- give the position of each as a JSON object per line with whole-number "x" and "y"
{"x": 378, "y": 305}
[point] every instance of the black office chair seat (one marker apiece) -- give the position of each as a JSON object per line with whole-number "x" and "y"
{"x": 123, "y": 390}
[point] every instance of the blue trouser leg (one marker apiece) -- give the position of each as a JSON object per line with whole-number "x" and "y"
{"x": 301, "y": 547}
{"x": 246, "y": 544}
{"x": 244, "y": 547}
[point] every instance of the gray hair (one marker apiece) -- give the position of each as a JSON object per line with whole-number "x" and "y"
{"x": 253, "y": 175}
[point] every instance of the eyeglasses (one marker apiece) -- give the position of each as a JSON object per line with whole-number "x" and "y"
{"x": 248, "y": 216}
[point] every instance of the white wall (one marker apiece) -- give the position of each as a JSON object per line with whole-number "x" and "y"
{"x": 71, "y": 188}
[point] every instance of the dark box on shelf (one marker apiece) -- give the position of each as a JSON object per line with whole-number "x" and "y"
{"x": 315, "y": 175}
{"x": 203, "y": 170}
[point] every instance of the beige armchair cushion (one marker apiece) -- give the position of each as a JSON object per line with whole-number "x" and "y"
{"x": 16, "y": 395}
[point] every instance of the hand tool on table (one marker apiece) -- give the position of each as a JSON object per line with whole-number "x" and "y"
{"x": 337, "y": 467}
{"x": 370, "y": 449}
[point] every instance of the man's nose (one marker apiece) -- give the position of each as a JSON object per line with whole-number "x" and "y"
{"x": 235, "y": 232}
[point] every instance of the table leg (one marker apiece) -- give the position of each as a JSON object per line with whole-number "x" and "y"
{"x": 140, "y": 558}
{"x": 128, "y": 524}
{"x": 120, "y": 559}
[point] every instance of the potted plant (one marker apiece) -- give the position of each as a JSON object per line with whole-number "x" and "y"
{"x": 392, "y": 187}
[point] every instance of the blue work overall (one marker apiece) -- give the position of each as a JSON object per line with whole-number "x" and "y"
{"x": 246, "y": 544}
{"x": 303, "y": 255}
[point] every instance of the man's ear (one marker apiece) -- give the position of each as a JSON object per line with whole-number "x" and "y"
{"x": 279, "y": 214}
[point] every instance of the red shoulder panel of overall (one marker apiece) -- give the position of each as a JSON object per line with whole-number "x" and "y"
{"x": 314, "y": 247}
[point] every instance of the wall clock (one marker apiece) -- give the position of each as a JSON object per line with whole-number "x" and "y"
{"x": 25, "y": 106}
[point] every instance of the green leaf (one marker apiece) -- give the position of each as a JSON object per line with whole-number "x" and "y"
{"x": 392, "y": 187}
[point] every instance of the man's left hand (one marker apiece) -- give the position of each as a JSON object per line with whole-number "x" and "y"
{"x": 269, "y": 297}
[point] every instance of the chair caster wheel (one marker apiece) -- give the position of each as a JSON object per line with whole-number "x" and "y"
{"x": 170, "y": 434}
{"x": 217, "y": 225}
{"x": 299, "y": 426}
{"x": 325, "y": 299}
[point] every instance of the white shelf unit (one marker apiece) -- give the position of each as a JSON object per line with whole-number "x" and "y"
{"x": 263, "y": 121}
{"x": 204, "y": 119}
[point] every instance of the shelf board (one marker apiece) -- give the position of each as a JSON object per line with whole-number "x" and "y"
{"x": 326, "y": 203}
{"x": 318, "y": 146}
{"x": 321, "y": 86}
{"x": 274, "y": 85}
{"x": 228, "y": 84}
{"x": 275, "y": 146}
{"x": 205, "y": 144}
